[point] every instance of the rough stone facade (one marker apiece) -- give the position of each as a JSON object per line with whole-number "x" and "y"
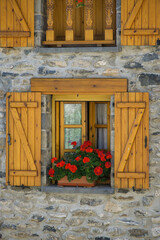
{"x": 124, "y": 215}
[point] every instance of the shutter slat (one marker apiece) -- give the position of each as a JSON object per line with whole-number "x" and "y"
{"x": 131, "y": 141}
{"x": 140, "y": 22}
{"x": 17, "y": 23}
{"x": 24, "y": 162}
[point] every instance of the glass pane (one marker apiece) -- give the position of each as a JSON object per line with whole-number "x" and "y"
{"x": 101, "y": 113}
{"x": 72, "y": 113}
{"x": 101, "y": 138}
{"x": 71, "y": 135}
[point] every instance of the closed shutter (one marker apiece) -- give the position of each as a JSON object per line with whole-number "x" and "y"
{"x": 132, "y": 140}
{"x": 16, "y": 23}
{"x": 140, "y": 22}
{"x": 23, "y": 140}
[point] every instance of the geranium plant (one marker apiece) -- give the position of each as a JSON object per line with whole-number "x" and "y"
{"x": 84, "y": 161}
{"x": 79, "y": 3}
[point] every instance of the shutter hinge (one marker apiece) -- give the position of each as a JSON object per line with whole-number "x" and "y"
{"x": 9, "y": 139}
{"x": 145, "y": 141}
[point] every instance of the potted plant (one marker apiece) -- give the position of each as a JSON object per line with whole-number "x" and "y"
{"x": 84, "y": 164}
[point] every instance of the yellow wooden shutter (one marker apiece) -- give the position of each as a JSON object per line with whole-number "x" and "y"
{"x": 23, "y": 140}
{"x": 140, "y": 22}
{"x": 16, "y": 23}
{"x": 132, "y": 140}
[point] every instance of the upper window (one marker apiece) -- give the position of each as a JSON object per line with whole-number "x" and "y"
{"x": 93, "y": 23}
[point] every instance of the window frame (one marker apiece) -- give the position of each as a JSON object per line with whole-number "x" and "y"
{"x": 56, "y": 99}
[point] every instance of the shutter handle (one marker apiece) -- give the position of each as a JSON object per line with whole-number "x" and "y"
{"x": 145, "y": 141}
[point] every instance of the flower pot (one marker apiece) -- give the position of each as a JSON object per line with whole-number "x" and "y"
{"x": 82, "y": 182}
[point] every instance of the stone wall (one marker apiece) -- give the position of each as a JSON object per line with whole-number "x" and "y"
{"x": 31, "y": 214}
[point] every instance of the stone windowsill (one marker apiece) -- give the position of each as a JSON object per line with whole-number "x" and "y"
{"x": 89, "y": 190}
{"x": 78, "y": 49}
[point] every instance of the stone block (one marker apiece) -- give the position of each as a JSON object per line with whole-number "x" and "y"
{"x": 138, "y": 232}
{"x": 133, "y": 65}
{"x": 113, "y": 207}
{"x": 90, "y": 202}
{"x": 147, "y": 79}
{"x": 46, "y": 121}
{"x": 147, "y": 200}
{"x": 150, "y": 57}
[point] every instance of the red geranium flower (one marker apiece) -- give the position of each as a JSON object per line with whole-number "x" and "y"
{"x": 87, "y": 144}
{"x": 107, "y": 164}
{"x": 98, "y": 171}
{"x": 108, "y": 155}
{"x": 54, "y": 159}
{"x": 89, "y": 150}
{"x": 73, "y": 168}
{"x": 51, "y": 172}
{"x": 74, "y": 143}
{"x": 78, "y": 158}
{"x": 60, "y": 164}
{"x": 67, "y": 166}
{"x": 82, "y": 148}
{"x": 86, "y": 159}
{"x": 96, "y": 150}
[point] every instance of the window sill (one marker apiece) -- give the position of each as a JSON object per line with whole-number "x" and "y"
{"x": 92, "y": 190}
{"x": 79, "y": 49}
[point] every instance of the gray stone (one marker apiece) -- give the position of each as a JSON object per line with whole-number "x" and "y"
{"x": 147, "y": 200}
{"x": 133, "y": 65}
{"x": 44, "y": 71}
{"x": 38, "y": 218}
{"x": 149, "y": 57}
{"x": 8, "y": 226}
{"x": 128, "y": 222}
{"x": 8, "y": 74}
{"x": 83, "y": 213}
{"x": 49, "y": 228}
{"x": 149, "y": 79}
{"x": 102, "y": 238}
{"x": 156, "y": 231}
{"x": 137, "y": 232}
{"x": 115, "y": 231}
{"x": 90, "y": 202}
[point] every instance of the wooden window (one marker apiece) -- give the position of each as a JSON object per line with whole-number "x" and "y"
{"x": 16, "y": 23}
{"x": 140, "y": 22}
{"x": 92, "y": 24}
{"x": 80, "y": 121}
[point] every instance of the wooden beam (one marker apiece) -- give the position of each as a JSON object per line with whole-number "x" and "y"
{"x": 78, "y": 86}
{"x": 110, "y": 42}
{"x": 82, "y": 97}
{"x": 23, "y": 104}
{"x": 133, "y": 14}
{"x": 131, "y": 175}
{"x": 131, "y": 104}
{"x": 23, "y": 173}
{"x": 23, "y": 138}
{"x": 19, "y": 15}
{"x": 14, "y": 34}
{"x": 141, "y": 32}
{"x": 131, "y": 139}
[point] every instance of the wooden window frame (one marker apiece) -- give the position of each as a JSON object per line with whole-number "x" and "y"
{"x": 71, "y": 98}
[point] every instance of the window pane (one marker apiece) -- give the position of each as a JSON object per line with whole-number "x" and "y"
{"x": 72, "y": 113}
{"x": 101, "y": 113}
{"x": 70, "y": 135}
{"x": 101, "y": 138}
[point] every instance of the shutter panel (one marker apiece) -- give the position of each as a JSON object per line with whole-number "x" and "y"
{"x": 140, "y": 22}
{"x": 16, "y": 23}
{"x": 132, "y": 140}
{"x": 23, "y": 140}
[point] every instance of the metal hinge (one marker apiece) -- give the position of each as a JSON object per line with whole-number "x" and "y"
{"x": 9, "y": 139}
